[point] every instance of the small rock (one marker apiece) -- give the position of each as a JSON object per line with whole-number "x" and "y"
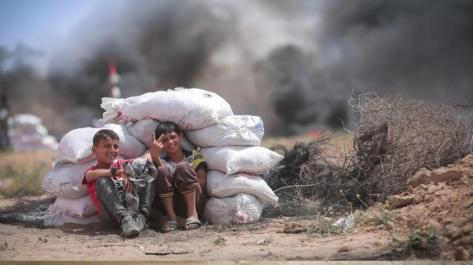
{"x": 467, "y": 160}
{"x": 294, "y": 228}
{"x": 468, "y": 203}
{"x": 397, "y": 201}
{"x": 446, "y": 174}
{"x": 389, "y": 225}
{"x": 410, "y": 223}
{"x": 435, "y": 225}
{"x": 461, "y": 254}
{"x": 3, "y": 246}
{"x": 265, "y": 241}
{"x": 179, "y": 251}
{"x": 420, "y": 177}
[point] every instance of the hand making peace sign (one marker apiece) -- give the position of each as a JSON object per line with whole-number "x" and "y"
{"x": 156, "y": 147}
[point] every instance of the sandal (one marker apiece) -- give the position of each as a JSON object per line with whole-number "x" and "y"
{"x": 169, "y": 226}
{"x": 192, "y": 223}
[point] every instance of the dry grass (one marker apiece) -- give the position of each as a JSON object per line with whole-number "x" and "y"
{"x": 397, "y": 136}
{"x": 394, "y": 138}
{"x": 21, "y": 173}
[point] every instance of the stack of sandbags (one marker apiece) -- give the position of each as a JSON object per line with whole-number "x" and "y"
{"x": 137, "y": 118}
{"x": 74, "y": 156}
{"x": 27, "y": 133}
{"x": 236, "y": 162}
{"x": 229, "y": 144}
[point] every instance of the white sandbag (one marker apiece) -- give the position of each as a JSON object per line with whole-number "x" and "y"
{"x": 191, "y": 108}
{"x": 61, "y": 218}
{"x": 65, "y": 181}
{"x": 144, "y": 130}
{"x": 81, "y": 207}
{"x": 221, "y": 185}
{"x": 130, "y": 146}
{"x": 26, "y": 122}
{"x": 49, "y": 142}
{"x": 254, "y": 160}
{"x": 230, "y": 130}
{"x": 239, "y": 209}
{"x": 76, "y": 145}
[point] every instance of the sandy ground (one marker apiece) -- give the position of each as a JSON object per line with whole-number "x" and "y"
{"x": 263, "y": 241}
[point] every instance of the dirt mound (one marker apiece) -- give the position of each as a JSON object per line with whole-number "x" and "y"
{"x": 440, "y": 201}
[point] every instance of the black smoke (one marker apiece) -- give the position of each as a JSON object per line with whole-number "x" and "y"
{"x": 295, "y": 63}
{"x": 423, "y": 49}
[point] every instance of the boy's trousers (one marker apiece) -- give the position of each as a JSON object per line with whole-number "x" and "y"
{"x": 112, "y": 209}
{"x": 182, "y": 181}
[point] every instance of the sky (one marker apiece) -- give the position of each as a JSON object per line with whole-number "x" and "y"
{"x": 37, "y": 23}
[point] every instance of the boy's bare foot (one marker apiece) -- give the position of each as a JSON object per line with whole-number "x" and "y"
{"x": 192, "y": 223}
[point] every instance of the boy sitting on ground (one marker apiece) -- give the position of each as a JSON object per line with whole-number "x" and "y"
{"x": 107, "y": 183}
{"x": 181, "y": 181}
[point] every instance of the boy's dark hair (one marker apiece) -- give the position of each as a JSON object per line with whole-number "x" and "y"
{"x": 166, "y": 127}
{"x": 104, "y": 134}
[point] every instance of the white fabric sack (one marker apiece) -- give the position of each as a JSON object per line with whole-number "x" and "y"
{"x": 81, "y": 207}
{"x": 144, "y": 130}
{"x": 65, "y": 181}
{"x": 76, "y": 145}
{"x": 230, "y": 130}
{"x": 27, "y": 123}
{"x": 254, "y": 160}
{"x": 61, "y": 218}
{"x": 239, "y": 209}
{"x": 130, "y": 146}
{"x": 221, "y": 185}
{"x": 191, "y": 108}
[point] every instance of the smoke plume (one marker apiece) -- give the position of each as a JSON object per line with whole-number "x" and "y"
{"x": 295, "y": 63}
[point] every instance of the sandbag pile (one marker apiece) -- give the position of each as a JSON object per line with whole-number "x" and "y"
{"x": 236, "y": 162}
{"x": 27, "y": 133}
{"x": 229, "y": 144}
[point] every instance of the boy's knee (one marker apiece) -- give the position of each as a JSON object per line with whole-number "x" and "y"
{"x": 103, "y": 182}
{"x": 163, "y": 172}
{"x": 183, "y": 168}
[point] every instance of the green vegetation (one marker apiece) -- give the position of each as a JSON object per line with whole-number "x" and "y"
{"x": 420, "y": 243}
{"x": 384, "y": 218}
{"x": 21, "y": 173}
{"x": 323, "y": 227}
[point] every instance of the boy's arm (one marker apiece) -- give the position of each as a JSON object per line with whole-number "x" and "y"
{"x": 156, "y": 161}
{"x": 202, "y": 176}
{"x": 92, "y": 175}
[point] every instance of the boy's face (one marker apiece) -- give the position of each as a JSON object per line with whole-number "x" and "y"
{"x": 106, "y": 151}
{"x": 171, "y": 142}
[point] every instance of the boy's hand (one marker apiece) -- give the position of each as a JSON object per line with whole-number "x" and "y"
{"x": 129, "y": 186}
{"x": 119, "y": 172}
{"x": 156, "y": 147}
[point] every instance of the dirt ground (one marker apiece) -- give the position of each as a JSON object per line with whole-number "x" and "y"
{"x": 432, "y": 220}
{"x": 262, "y": 241}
